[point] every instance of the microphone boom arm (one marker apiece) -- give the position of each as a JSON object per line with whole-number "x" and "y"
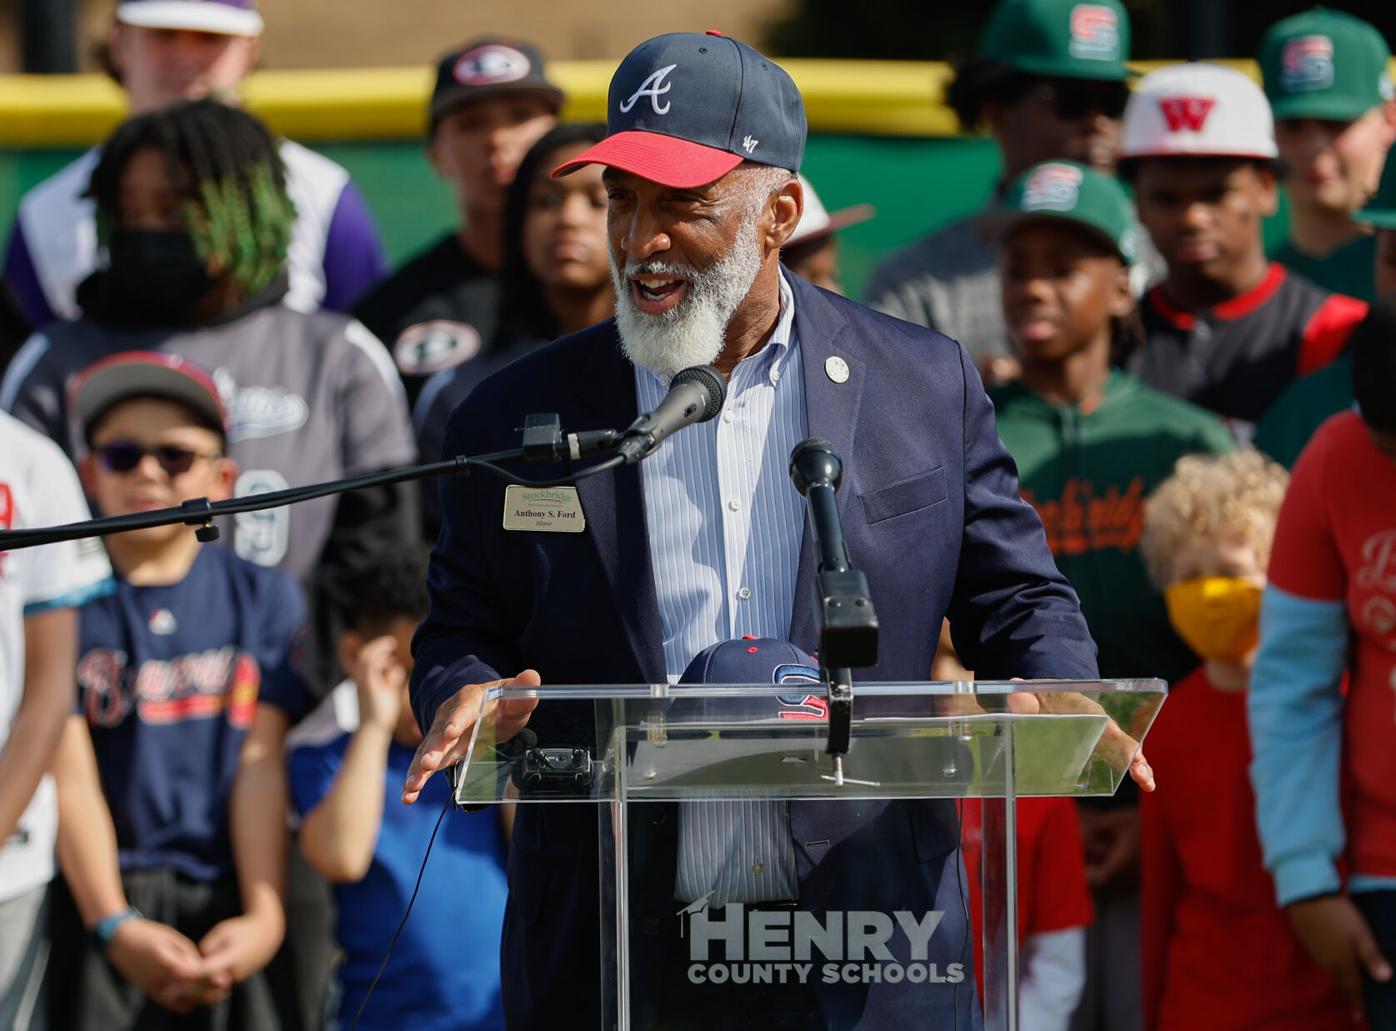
{"x": 200, "y": 512}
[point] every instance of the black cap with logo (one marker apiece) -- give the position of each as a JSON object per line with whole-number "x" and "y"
{"x": 489, "y": 68}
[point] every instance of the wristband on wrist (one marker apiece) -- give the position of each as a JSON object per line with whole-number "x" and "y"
{"x": 104, "y": 930}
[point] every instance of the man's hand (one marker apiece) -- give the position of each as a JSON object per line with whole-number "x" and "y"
{"x": 236, "y": 948}
{"x": 1114, "y": 743}
{"x": 1333, "y": 931}
{"x": 445, "y": 743}
{"x": 158, "y": 960}
{"x": 1110, "y": 843}
{"x": 379, "y": 678}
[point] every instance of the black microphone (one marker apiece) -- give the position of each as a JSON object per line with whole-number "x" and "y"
{"x": 848, "y": 627}
{"x": 695, "y": 395}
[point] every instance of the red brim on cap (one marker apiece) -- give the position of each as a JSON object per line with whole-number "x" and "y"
{"x": 667, "y": 160}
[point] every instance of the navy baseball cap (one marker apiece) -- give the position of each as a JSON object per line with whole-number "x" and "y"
{"x": 685, "y": 109}
{"x": 222, "y": 17}
{"x": 751, "y": 660}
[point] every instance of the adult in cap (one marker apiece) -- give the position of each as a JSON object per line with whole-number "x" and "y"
{"x": 160, "y": 52}
{"x": 1327, "y": 81}
{"x": 1227, "y": 329}
{"x": 492, "y": 101}
{"x": 704, "y": 541}
{"x": 1049, "y": 82}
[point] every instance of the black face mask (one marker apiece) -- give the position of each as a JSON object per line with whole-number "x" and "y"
{"x": 156, "y": 274}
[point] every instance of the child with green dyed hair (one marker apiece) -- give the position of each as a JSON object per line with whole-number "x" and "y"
{"x": 193, "y": 214}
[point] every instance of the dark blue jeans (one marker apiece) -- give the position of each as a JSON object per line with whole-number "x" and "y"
{"x": 1379, "y": 907}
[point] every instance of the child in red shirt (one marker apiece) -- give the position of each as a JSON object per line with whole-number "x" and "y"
{"x": 1217, "y": 950}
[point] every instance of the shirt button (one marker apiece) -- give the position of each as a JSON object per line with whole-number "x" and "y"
{"x": 727, "y": 415}
{"x": 775, "y": 375}
{"x": 757, "y": 867}
{"x": 735, "y": 504}
{"x": 744, "y": 593}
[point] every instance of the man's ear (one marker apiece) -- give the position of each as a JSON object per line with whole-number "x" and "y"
{"x": 786, "y": 207}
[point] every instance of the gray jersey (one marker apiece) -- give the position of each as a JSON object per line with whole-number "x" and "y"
{"x": 309, "y": 396}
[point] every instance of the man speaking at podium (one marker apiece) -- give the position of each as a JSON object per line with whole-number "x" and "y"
{"x": 706, "y": 541}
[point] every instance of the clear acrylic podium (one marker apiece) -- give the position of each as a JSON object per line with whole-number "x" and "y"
{"x": 918, "y": 750}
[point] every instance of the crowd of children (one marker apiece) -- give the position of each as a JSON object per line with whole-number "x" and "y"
{"x": 170, "y": 728}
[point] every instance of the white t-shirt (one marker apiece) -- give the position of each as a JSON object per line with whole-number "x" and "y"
{"x": 38, "y": 487}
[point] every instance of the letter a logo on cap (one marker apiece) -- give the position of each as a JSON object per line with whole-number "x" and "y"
{"x": 653, "y": 87}
{"x": 1186, "y": 113}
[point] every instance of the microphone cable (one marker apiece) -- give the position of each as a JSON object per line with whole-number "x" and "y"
{"x": 403, "y": 922}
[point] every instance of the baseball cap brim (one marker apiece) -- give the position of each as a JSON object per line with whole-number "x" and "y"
{"x": 663, "y": 159}
{"x": 1107, "y": 71}
{"x": 837, "y": 220}
{"x": 449, "y": 100}
{"x": 145, "y": 374}
{"x": 1317, "y": 105}
{"x": 221, "y": 19}
{"x": 1181, "y": 151}
{"x": 1377, "y": 218}
{"x": 996, "y": 225}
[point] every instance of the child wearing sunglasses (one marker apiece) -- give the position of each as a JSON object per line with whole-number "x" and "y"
{"x": 172, "y": 795}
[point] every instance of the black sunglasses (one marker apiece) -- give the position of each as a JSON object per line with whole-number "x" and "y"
{"x": 1077, "y": 98}
{"x": 121, "y": 456}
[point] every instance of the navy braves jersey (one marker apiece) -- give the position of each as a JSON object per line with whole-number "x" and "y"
{"x": 169, "y": 678}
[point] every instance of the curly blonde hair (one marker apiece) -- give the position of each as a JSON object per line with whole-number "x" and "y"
{"x": 1237, "y": 494}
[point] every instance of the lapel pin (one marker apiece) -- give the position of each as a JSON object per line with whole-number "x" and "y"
{"x": 836, "y": 369}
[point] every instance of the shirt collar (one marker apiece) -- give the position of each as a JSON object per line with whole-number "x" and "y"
{"x": 777, "y": 349}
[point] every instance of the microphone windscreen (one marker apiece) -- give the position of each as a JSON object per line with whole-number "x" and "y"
{"x": 711, "y": 380}
{"x": 815, "y": 461}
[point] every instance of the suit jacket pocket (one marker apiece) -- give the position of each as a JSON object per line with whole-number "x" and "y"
{"x": 910, "y": 495}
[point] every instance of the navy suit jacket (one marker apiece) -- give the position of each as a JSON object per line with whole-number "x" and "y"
{"x": 931, "y": 513}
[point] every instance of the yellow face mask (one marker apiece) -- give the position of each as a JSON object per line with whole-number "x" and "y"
{"x": 1218, "y": 616}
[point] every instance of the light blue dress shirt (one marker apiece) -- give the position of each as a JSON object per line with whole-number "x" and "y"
{"x": 724, "y": 525}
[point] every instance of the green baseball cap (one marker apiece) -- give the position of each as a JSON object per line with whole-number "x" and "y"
{"x": 1324, "y": 64}
{"x": 1073, "y": 193}
{"x": 1380, "y": 209}
{"x": 1060, "y": 37}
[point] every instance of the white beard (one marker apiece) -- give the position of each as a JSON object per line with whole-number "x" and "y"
{"x": 694, "y": 330}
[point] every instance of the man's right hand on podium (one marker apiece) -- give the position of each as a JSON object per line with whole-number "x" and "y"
{"x": 446, "y": 742}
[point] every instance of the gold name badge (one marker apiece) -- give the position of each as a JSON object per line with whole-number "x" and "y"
{"x": 543, "y": 509}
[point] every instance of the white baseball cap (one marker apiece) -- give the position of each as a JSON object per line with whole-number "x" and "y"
{"x": 222, "y": 17}
{"x": 1197, "y": 110}
{"x": 816, "y": 220}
